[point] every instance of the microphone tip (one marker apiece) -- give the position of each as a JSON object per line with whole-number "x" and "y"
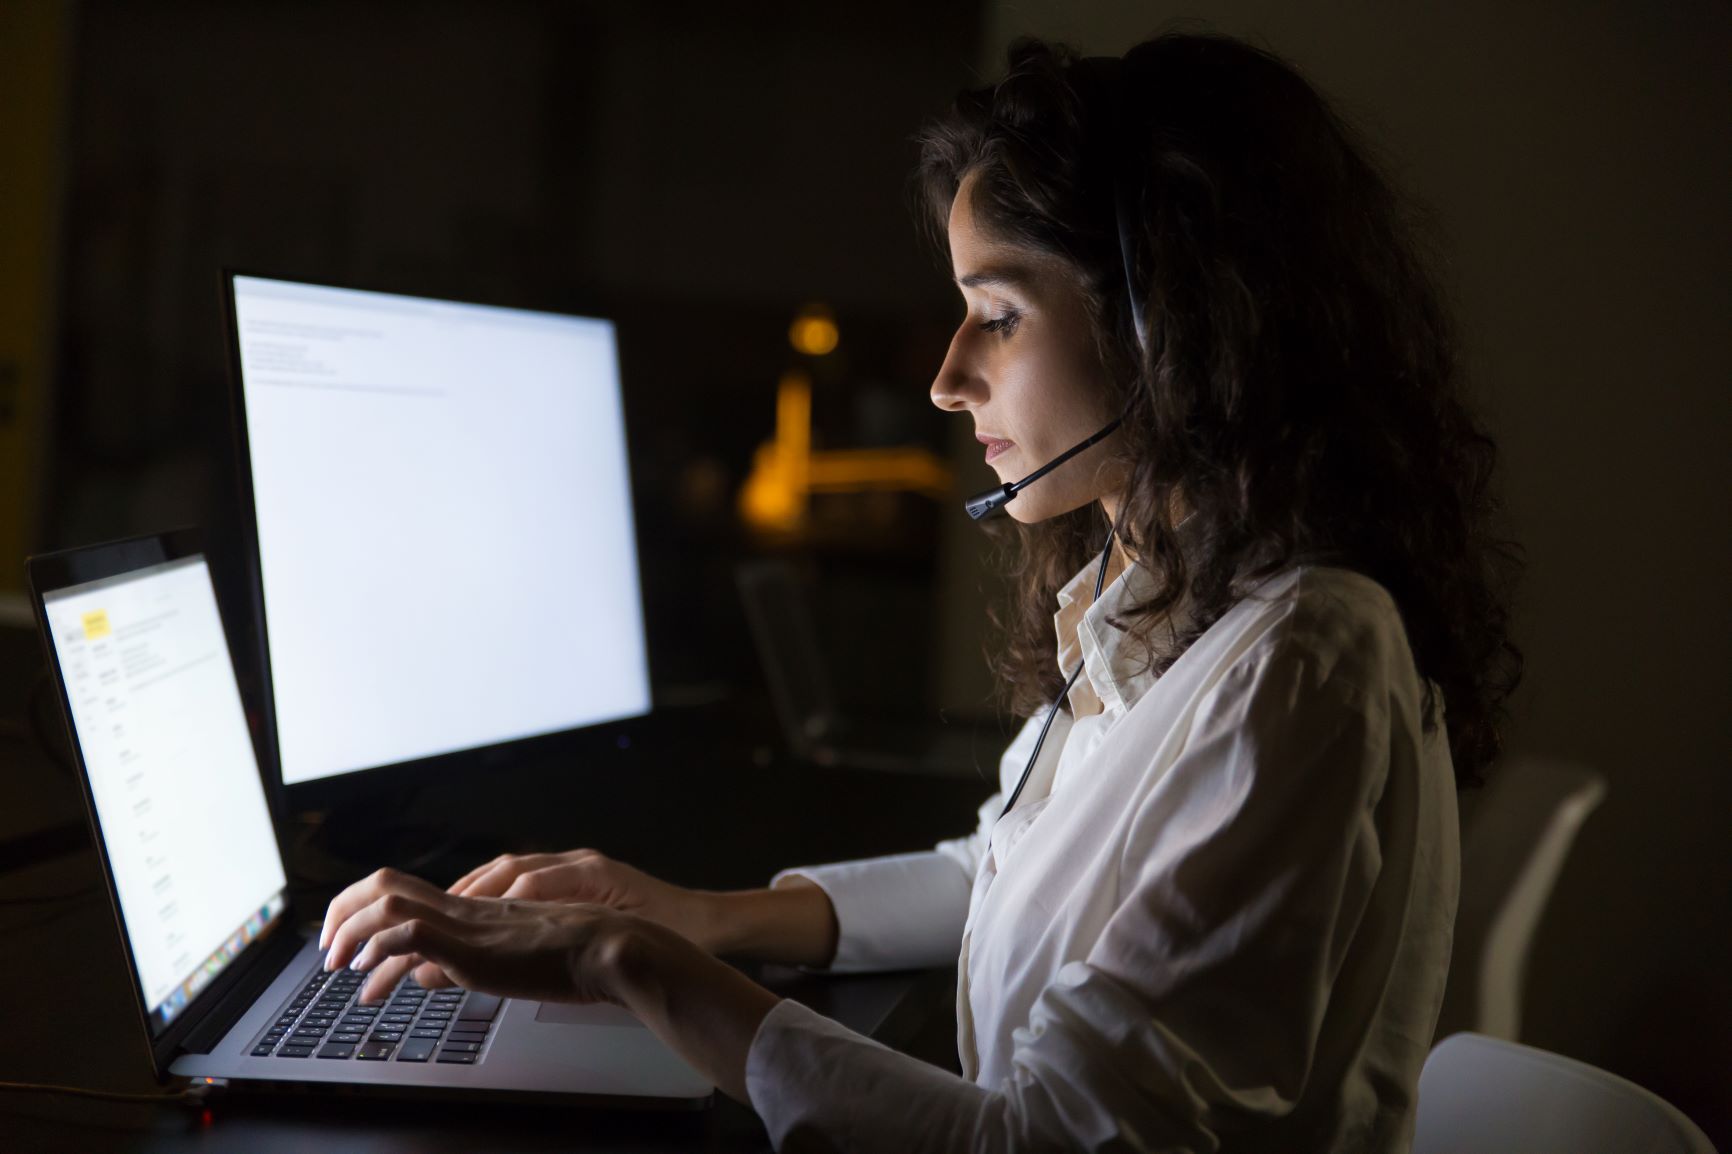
{"x": 984, "y": 504}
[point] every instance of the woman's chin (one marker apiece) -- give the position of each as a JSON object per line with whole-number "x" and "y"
{"x": 1032, "y": 512}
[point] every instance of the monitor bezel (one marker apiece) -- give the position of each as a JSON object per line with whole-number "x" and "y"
{"x": 454, "y": 767}
{"x": 51, "y": 572}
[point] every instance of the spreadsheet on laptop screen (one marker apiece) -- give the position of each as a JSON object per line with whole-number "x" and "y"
{"x": 173, "y": 775}
{"x": 444, "y": 519}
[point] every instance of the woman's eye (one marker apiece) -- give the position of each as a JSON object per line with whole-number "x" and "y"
{"x": 1003, "y": 325}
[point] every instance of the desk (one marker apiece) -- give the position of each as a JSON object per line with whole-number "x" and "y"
{"x": 67, "y": 1017}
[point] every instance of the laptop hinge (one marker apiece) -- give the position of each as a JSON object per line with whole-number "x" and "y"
{"x": 239, "y": 998}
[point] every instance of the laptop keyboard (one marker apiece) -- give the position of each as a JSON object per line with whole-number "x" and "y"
{"x": 412, "y": 1025}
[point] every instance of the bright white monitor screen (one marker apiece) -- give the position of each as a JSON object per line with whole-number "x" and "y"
{"x": 172, "y": 772}
{"x": 444, "y": 522}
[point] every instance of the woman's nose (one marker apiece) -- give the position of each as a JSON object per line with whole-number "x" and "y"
{"x": 958, "y": 385}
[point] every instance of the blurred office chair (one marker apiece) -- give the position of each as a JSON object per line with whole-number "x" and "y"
{"x": 1511, "y": 854}
{"x": 813, "y": 722}
{"x": 1480, "y": 1095}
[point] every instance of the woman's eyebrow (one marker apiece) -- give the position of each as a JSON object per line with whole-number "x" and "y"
{"x": 1009, "y": 274}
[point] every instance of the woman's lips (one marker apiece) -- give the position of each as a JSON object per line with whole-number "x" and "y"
{"x": 994, "y": 445}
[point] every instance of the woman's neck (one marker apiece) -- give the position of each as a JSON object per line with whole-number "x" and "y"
{"x": 1110, "y": 505}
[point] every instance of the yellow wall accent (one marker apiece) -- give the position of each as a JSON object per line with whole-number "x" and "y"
{"x": 33, "y": 44}
{"x": 786, "y": 471}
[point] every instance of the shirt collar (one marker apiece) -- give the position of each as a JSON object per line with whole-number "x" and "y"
{"x": 1114, "y": 676}
{"x": 1116, "y": 665}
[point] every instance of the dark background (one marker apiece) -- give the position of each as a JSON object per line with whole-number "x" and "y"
{"x": 700, "y": 172}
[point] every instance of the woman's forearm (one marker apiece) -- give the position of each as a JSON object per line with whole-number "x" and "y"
{"x": 793, "y": 924}
{"x": 703, "y": 1009}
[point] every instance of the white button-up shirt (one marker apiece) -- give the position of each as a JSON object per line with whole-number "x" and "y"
{"x": 1218, "y": 919}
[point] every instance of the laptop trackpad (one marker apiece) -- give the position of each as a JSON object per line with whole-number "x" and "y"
{"x": 597, "y": 1014}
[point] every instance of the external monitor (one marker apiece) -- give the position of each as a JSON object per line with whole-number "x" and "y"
{"x": 442, "y": 511}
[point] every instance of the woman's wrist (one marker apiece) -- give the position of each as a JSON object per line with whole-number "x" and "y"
{"x": 704, "y": 1009}
{"x": 715, "y": 922}
{"x": 628, "y": 961}
{"x": 793, "y": 924}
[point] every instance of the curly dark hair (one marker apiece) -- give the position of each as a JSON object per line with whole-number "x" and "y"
{"x": 1299, "y": 391}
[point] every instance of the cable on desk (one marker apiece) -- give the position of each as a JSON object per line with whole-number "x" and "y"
{"x": 190, "y": 1094}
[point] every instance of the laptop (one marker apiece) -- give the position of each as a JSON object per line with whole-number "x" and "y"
{"x": 226, "y": 976}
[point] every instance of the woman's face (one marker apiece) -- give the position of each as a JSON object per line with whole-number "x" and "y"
{"x": 1023, "y": 363}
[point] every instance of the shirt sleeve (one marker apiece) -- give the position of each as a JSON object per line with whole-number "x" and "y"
{"x": 1192, "y": 1022}
{"x": 906, "y": 911}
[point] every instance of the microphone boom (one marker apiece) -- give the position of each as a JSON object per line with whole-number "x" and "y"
{"x": 992, "y": 500}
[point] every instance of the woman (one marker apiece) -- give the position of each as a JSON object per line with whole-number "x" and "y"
{"x": 1218, "y": 911}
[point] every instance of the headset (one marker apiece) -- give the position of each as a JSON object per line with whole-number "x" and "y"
{"x": 1105, "y": 74}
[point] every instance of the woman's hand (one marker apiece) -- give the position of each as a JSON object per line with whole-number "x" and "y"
{"x": 584, "y": 875}
{"x": 705, "y": 1010}
{"x": 391, "y": 922}
{"x": 793, "y": 924}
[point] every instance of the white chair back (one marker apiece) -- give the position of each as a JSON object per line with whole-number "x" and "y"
{"x": 1480, "y": 1095}
{"x": 1513, "y": 849}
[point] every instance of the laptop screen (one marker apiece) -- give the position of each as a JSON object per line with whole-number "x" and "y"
{"x": 444, "y": 515}
{"x": 182, "y": 812}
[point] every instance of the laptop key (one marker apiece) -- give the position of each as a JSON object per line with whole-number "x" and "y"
{"x": 480, "y": 1008}
{"x": 426, "y": 1033}
{"x": 466, "y": 1059}
{"x": 416, "y": 1050}
{"x": 460, "y": 1047}
{"x": 354, "y": 1037}
{"x": 337, "y": 1050}
{"x": 263, "y": 1050}
{"x": 296, "y": 1051}
{"x": 374, "y": 1051}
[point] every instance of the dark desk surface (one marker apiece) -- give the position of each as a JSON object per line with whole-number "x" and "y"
{"x": 695, "y": 814}
{"x": 68, "y": 1019}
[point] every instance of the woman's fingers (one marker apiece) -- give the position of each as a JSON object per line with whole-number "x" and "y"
{"x": 464, "y": 884}
{"x": 503, "y": 876}
{"x": 567, "y": 881}
{"x": 412, "y": 938}
{"x": 369, "y": 890}
{"x": 385, "y": 977}
{"x": 432, "y": 977}
{"x": 384, "y": 912}
{"x": 498, "y": 876}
